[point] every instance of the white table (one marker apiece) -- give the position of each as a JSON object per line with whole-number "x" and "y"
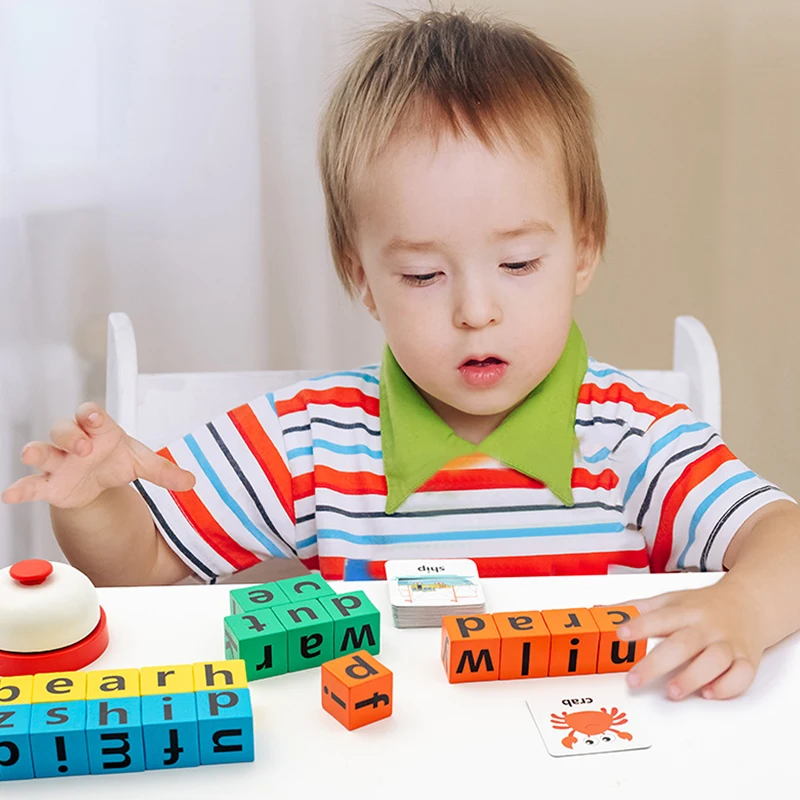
{"x": 462, "y": 741}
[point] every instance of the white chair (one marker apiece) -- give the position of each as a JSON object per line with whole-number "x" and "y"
{"x": 158, "y": 408}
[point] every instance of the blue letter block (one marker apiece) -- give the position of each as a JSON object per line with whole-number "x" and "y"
{"x": 169, "y": 724}
{"x": 114, "y": 735}
{"x": 58, "y": 739}
{"x": 15, "y": 744}
{"x": 225, "y": 720}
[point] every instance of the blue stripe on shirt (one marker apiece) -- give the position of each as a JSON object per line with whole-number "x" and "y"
{"x": 461, "y": 536}
{"x": 348, "y": 374}
{"x": 638, "y": 474}
{"x": 226, "y": 497}
{"x": 705, "y": 505}
{"x": 342, "y": 449}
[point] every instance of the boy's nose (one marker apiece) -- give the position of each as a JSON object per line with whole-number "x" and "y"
{"x": 476, "y": 308}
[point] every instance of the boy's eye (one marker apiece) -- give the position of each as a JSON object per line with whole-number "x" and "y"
{"x": 523, "y": 267}
{"x": 419, "y": 280}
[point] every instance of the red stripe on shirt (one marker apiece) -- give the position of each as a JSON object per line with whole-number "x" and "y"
{"x": 201, "y": 519}
{"x": 455, "y": 480}
{"x": 341, "y": 396}
{"x": 691, "y": 477}
{"x": 360, "y": 483}
{"x": 620, "y": 393}
{"x": 266, "y": 454}
{"x": 333, "y": 568}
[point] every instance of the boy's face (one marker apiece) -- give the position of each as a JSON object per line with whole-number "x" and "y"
{"x": 469, "y": 261}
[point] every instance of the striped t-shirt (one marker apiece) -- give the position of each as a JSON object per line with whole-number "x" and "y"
{"x": 299, "y": 472}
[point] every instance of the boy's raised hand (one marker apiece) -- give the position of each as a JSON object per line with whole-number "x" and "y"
{"x": 87, "y": 456}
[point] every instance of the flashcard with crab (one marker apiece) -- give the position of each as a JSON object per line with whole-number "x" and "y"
{"x": 585, "y": 723}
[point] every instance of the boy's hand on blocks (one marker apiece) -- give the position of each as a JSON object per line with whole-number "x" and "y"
{"x": 712, "y": 639}
{"x": 87, "y": 456}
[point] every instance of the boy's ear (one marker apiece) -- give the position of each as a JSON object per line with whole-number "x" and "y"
{"x": 588, "y": 257}
{"x": 356, "y": 269}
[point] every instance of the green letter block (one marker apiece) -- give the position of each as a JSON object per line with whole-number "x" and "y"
{"x": 260, "y": 640}
{"x": 253, "y": 598}
{"x": 356, "y": 623}
{"x": 303, "y": 588}
{"x": 309, "y": 632}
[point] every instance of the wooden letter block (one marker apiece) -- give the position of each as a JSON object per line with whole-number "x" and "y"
{"x": 356, "y": 689}
{"x": 259, "y": 639}
{"x": 219, "y": 675}
{"x": 614, "y": 655}
{"x": 169, "y": 730}
{"x": 524, "y": 644}
{"x": 225, "y": 726}
{"x": 306, "y": 587}
{"x": 574, "y": 642}
{"x": 172, "y": 679}
{"x": 16, "y": 691}
{"x": 114, "y": 735}
{"x": 470, "y": 648}
{"x": 257, "y": 598}
{"x": 112, "y": 683}
{"x": 56, "y": 687}
{"x": 16, "y": 762}
{"x": 356, "y": 623}
{"x": 58, "y": 738}
{"x": 309, "y": 632}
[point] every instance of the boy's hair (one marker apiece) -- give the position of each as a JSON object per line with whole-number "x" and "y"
{"x": 467, "y": 73}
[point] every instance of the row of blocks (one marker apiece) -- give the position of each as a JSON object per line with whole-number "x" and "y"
{"x": 296, "y": 624}
{"x": 129, "y": 720}
{"x": 537, "y": 644}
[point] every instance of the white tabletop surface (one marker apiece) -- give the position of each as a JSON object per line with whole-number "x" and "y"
{"x": 445, "y": 741}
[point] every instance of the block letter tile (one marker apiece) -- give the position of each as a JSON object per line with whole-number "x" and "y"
{"x": 225, "y": 726}
{"x": 524, "y": 644}
{"x": 114, "y": 735}
{"x": 574, "y": 642}
{"x": 258, "y": 639}
{"x": 614, "y": 655}
{"x": 356, "y": 623}
{"x": 357, "y": 689}
{"x": 470, "y": 648}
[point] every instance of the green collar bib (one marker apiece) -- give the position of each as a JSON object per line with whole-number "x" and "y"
{"x": 537, "y": 438}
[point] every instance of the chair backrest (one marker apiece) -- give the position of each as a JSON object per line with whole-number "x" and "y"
{"x": 158, "y": 408}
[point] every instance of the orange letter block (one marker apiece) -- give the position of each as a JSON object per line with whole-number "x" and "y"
{"x": 574, "y": 643}
{"x": 524, "y": 644}
{"x": 614, "y": 655}
{"x": 470, "y": 648}
{"x": 356, "y": 689}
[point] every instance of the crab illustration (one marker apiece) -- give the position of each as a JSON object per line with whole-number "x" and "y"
{"x": 590, "y": 723}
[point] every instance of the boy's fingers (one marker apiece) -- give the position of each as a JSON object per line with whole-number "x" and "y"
{"x": 644, "y": 605}
{"x": 68, "y": 436}
{"x": 714, "y": 661}
{"x": 94, "y": 420}
{"x": 666, "y": 656}
{"x": 42, "y": 456}
{"x": 26, "y": 490}
{"x": 733, "y": 683}
{"x": 659, "y": 623}
{"x": 162, "y": 472}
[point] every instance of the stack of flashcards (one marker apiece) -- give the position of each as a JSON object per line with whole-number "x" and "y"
{"x": 424, "y": 591}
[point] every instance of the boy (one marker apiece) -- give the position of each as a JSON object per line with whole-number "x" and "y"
{"x": 466, "y": 210}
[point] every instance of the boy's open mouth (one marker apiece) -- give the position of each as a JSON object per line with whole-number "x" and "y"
{"x": 483, "y": 372}
{"x": 483, "y": 362}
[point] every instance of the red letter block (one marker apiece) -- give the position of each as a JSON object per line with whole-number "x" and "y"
{"x": 356, "y": 689}
{"x": 614, "y": 655}
{"x": 524, "y": 644}
{"x": 470, "y": 648}
{"x": 573, "y": 649}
